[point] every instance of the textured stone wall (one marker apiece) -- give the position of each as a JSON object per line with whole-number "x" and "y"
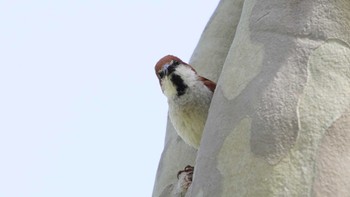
{"x": 279, "y": 123}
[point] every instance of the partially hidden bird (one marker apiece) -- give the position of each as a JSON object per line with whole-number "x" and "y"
{"x": 189, "y": 96}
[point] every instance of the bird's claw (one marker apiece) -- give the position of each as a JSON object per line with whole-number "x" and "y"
{"x": 185, "y": 178}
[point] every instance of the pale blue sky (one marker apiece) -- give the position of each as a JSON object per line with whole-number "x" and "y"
{"x": 81, "y": 111}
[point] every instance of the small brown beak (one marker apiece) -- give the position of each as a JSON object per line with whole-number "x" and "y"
{"x": 164, "y": 71}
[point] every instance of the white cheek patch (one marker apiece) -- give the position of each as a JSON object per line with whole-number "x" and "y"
{"x": 168, "y": 87}
{"x": 187, "y": 74}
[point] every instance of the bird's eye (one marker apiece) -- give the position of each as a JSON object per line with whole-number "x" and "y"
{"x": 175, "y": 63}
{"x": 161, "y": 74}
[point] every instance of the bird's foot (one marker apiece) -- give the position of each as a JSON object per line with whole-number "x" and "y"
{"x": 184, "y": 179}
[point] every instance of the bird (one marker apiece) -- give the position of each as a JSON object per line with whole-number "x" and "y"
{"x": 189, "y": 96}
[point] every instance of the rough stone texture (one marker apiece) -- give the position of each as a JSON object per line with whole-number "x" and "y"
{"x": 279, "y": 122}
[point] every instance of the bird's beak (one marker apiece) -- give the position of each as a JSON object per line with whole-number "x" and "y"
{"x": 164, "y": 70}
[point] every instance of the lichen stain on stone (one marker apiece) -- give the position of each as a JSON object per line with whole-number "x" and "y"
{"x": 243, "y": 63}
{"x": 327, "y": 91}
{"x": 235, "y": 160}
{"x": 333, "y": 159}
{"x": 324, "y": 101}
{"x": 240, "y": 73}
{"x": 275, "y": 124}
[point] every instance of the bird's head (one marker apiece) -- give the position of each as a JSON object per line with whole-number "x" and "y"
{"x": 175, "y": 76}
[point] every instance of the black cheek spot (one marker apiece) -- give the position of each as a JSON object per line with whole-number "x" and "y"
{"x": 179, "y": 83}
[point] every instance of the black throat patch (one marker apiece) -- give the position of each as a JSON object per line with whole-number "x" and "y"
{"x": 179, "y": 83}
